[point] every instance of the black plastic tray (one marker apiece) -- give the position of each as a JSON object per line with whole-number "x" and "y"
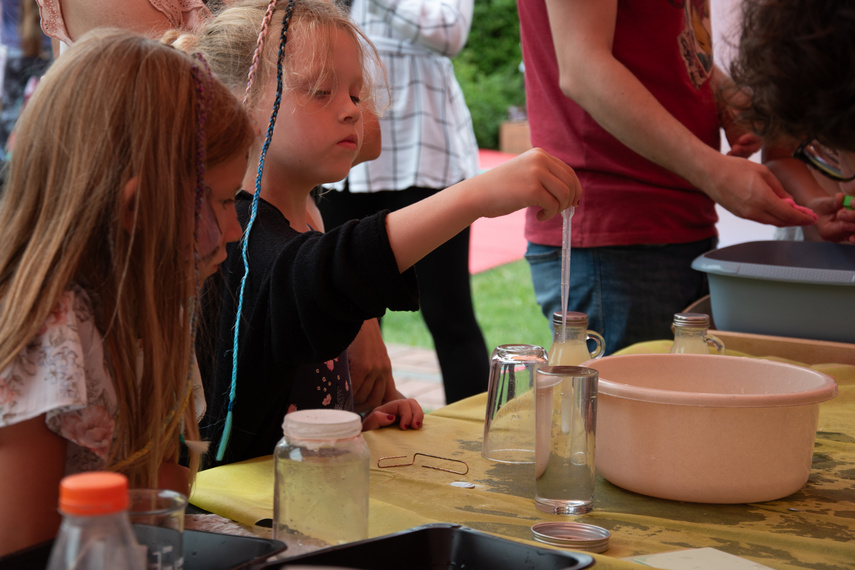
{"x": 436, "y": 546}
{"x": 202, "y": 551}
{"x": 213, "y": 551}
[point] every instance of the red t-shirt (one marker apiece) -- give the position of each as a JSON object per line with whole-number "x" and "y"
{"x": 626, "y": 198}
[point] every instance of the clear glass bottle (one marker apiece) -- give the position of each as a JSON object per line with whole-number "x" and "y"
{"x": 95, "y": 533}
{"x": 573, "y": 349}
{"x": 321, "y": 485}
{"x": 691, "y": 335}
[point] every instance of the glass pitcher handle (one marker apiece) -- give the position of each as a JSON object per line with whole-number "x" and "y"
{"x": 715, "y": 343}
{"x": 601, "y": 344}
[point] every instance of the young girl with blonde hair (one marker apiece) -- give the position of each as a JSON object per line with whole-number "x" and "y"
{"x": 302, "y": 295}
{"x": 119, "y": 202}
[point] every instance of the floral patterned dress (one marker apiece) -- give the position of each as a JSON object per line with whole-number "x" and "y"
{"x": 61, "y": 374}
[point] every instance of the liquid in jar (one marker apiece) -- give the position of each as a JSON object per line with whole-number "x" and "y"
{"x": 572, "y": 349}
{"x": 321, "y": 484}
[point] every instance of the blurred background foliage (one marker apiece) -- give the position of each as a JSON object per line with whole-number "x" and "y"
{"x": 504, "y": 306}
{"x": 488, "y": 68}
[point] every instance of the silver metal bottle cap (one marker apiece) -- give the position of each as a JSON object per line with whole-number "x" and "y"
{"x": 697, "y": 320}
{"x": 578, "y": 536}
{"x": 573, "y": 319}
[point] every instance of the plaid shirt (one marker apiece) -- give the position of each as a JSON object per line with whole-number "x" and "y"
{"x": 426, "y": 129}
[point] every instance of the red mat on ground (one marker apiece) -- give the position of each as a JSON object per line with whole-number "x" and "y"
{"x": 496, "y": 241}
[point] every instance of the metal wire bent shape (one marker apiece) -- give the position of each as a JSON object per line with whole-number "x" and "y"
{"x": 413, "y": 460}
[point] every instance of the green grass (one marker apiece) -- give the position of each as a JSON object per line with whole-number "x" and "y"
{"x": 504, "y": 305}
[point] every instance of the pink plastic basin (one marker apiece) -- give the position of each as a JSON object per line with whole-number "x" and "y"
{"x": 707, "y": 429}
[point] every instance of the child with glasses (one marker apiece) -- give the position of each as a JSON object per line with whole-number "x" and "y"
{"x": 794, "y": 60}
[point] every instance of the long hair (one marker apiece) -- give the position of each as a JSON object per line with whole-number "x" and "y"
{"x": 795, "y": 62}
{"x": 247, "y": 46}
{"x": 229, "y": 41}
{"x": 102, "y": 192}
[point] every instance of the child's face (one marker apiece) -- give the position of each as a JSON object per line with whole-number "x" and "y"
{"x": 319, "y": 130}
{"x": 219, "y": 219}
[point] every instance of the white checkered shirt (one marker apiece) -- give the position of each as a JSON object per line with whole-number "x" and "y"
{"x": 427, "y": 136}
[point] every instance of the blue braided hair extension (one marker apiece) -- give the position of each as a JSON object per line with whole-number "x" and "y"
{"x": 227, "y": 427}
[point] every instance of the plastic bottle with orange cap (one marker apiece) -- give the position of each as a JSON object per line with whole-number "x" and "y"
{"x": 95, "y": 533}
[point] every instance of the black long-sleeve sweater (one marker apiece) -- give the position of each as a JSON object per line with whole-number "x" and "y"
{"x": 307, "y": 295}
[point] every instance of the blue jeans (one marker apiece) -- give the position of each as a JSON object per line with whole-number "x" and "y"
{"x": 630, "y": 293}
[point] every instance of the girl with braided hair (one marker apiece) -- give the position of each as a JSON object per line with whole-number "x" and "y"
{"x": 292, "y": 295}
{"x": 119, "y": 202}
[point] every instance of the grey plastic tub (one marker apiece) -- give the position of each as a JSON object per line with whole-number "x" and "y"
{"x": 783, "y": 288}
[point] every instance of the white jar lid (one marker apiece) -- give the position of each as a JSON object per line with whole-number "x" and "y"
{"x": 321, "y": 424}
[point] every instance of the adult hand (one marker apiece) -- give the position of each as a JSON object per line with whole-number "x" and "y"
{"x": 749, "y": 190}
{"x": 370, "y": 368}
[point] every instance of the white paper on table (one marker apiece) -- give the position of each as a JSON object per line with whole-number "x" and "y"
{"x": 696, "y": 559}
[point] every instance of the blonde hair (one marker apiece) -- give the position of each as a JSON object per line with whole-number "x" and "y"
{"x": 229, "y": 41}
{"x": 116, "y": 110}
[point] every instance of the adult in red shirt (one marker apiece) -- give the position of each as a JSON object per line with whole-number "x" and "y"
{"x": 625, "y": 93}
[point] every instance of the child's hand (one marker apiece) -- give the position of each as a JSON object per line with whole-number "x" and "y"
{"x": 836, "y": 222}
{"x": 407, "y": 413}
{"x": 534, "y": 178}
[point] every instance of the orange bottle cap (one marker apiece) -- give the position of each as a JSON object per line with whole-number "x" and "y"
{"x": 93, "y": 493}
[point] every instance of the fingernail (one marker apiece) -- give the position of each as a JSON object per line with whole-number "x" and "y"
{"x": 405, "y": 426}
{"x": 417, "y": 425}
{"x": 390, "y": 417}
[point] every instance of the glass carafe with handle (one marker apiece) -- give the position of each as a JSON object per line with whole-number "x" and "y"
{"x": 691, "y": 335}
{"x": 572, "y": 350}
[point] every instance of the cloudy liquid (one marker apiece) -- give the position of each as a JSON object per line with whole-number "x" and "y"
{"x": 316, "y": 499}
{"x": 568, "y": 353}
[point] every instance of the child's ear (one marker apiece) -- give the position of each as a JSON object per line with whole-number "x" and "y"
{"x": 128, "y": 200}
{"x": 257, "y": 129}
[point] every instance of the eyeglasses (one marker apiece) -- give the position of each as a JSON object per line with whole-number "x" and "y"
{"x": 826, "y": 160}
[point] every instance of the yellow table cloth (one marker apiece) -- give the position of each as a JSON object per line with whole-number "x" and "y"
{"x": 813, "y": 528}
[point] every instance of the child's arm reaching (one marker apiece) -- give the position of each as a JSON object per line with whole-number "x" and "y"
{"x": 408, "y": 414}
{"x": 535, "y": 178}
